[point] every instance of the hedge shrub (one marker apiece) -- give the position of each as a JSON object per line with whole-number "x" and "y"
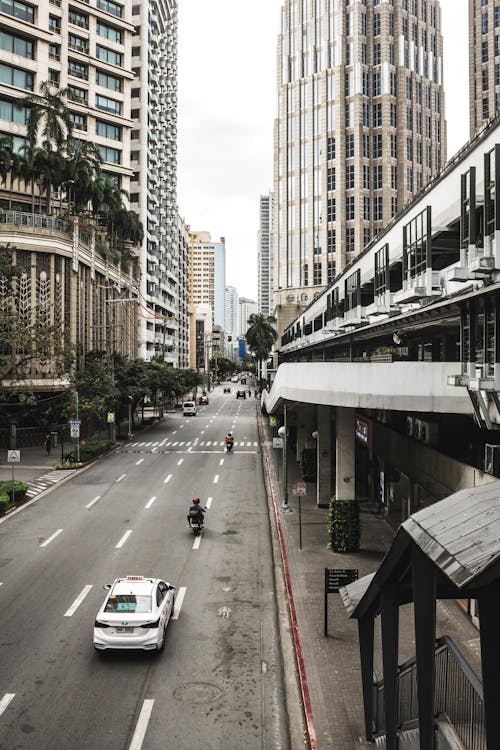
{"x": 20, "y": 489}
{"x": 344, "y": 528}
{"x": 95, "y": 448}
{"x": 4, "y": 503}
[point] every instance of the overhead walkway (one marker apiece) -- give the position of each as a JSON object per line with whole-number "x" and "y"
{"x": 400, "y": 386}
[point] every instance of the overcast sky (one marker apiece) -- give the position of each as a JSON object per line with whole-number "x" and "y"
{"x": 227, "y": 106}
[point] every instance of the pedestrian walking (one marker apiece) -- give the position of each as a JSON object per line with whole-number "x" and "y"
{"x": 48, "y": 444}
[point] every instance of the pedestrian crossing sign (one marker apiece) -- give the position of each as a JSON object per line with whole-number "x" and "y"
{"x": 13, "y": 457}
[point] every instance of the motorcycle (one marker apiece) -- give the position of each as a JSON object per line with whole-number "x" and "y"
{"x": 196, "y": 522}
{"x": 229, "y": 446}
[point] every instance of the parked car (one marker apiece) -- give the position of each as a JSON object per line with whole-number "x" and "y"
{"x": 203, "y": 400}
{"x": 135, "y": 614}
{"x": 241, "y": 394}
{"x": 189, "y": 409}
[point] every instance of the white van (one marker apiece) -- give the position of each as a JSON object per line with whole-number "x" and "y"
{"x": 189, "y": 409}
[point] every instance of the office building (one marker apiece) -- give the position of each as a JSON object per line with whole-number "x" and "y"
{"x": 265, "y": 255}
{"x": 231, "y": 312}
{"x": 360, "y": 130}
{"x": 246, "y": 307}
{"x": 154, "y": 182}
{"x": 484, "y": 66}
{"x": 209, "y": 273}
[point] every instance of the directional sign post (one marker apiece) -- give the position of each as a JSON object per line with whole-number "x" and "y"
{"x": 13, "y": 457}
{"x": 299, "y": 489}
{"x": 74, "y": 426}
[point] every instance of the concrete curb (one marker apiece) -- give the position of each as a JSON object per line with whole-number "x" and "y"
{"x": 302, "y": 729}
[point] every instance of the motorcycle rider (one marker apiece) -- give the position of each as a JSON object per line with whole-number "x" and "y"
{"x": 229, "y": 441}
{"x": 196, "y": 511}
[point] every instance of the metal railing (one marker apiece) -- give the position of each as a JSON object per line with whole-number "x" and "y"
{"x": 458, "y": 696}
{"x": 37, "y": 221}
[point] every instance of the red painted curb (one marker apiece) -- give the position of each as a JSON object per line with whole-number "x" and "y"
{"x": 306, "y": 699}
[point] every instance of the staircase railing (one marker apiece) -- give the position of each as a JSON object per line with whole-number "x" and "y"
{"x": 458, "y": 696}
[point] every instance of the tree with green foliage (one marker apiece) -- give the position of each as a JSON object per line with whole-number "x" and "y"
{"x": 261, "y": 336}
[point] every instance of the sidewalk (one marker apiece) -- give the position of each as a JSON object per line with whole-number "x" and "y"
{"x": 331, "y": 664}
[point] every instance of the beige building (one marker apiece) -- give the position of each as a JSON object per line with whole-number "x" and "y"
{"x": 484, "y": 62}
{"x": 360, "y": 130}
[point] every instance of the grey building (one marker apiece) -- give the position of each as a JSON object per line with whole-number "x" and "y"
{"x": 360, "y": 130}
{"x": 484, "y": 66}
{"x": 265, "y": 255}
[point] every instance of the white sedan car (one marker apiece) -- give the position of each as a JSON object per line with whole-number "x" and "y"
{"x": 135, "y": 614}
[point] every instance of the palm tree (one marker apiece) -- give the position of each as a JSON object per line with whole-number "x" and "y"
{"x": 81, "y": 170}
{"x": 48, "y": 110}
{"x": 261, "y": 336}
{"x": 5, "y": 157}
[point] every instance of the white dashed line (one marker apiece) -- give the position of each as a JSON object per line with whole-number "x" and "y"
{"x": 123, "y": 539}
{"x": 167, "y": 478}
{"x": 197, "y": 542}
{"x": 180, "y": 461}
{"x": 208, "y": 503}
{"x": 122, "y": 476}
{"x": 5, "y": 701}
{"x": 221, "y": 462}
{"x": 48, "y": 541}
{"x": 216, "y": 478}
{"x": 178, "y": 602}
{"x": 150, "y": 502}
{"x": 93, "y": 502}
{"x": 142, "y": 724}
{"x": 139, "y": 461}
{"x": 79, "y": 599}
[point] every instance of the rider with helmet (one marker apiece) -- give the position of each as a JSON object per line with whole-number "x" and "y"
{"x": 196, "y": 511}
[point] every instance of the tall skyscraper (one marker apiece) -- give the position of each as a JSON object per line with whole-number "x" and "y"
{"x": 231, "y": 311}
{"x": 86, "y": 49}
{"x": 360, "y": 130}
{"x": 265, "y": 255}
{"x": 247, "y": 307}
{"x": 154, "y": 181}
{"x": 484, "y": 72}
{"x": 209, "y": 273}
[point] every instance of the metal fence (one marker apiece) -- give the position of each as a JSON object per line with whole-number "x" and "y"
{"x": 37, "y": 221}
{"x": 458, "y": 696}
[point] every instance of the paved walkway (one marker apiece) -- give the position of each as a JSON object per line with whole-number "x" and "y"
{"x": 331, "y": 664}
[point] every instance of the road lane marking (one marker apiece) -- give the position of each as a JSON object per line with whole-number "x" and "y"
{"x": 150, "y": 502}
{"x": 48, "y": 541}
{"x": 178, "y": 602}
{"x": 79, "y": 599}
{"x": 123, "y": 539}
{"x": 197, "y": 541}
{"x": 202, "y": 432}
{"x": 93, "y": 502}
{"x": 208, "y": 503}
{"x": 142, "y": 724}
{"x": 221, "y": 462}
{"x": 122, "y": 476}
{"x": 216, "y": 478}
{"x": 5, "y": 701}
{"x": 167, "y": 478}
{"x": 180, "y": 461}
{"x": 173, "y": 433}
{"x": 139, "y": 461}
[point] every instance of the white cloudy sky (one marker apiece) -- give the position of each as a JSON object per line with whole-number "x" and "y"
{"x": 227, "y": 105}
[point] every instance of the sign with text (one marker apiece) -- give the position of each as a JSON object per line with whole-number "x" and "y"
{"x": 74, "y": 428}
{"x": 299, "y": 488}
{"x": 335, "y": 578}
{"x": 363, "y": 431}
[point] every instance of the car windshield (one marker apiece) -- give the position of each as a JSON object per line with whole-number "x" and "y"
{"x": 128, "y": 603}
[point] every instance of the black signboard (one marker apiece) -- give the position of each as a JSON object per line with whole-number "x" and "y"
{"x": 335, "y": 578}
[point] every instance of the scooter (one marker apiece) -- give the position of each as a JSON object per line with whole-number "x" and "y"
{"x": 229, "y": 446}
{"x": 196, "y": 523}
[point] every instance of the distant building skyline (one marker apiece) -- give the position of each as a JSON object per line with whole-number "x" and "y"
{"x": 246, "y": 307}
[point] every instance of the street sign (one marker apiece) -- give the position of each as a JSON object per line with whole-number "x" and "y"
{"x": 299, "y": 488}
{"x": 111, "y": 417}
{"x": 13, "y": 457}
{"x": 278, "y": 442}
{"x": 335, "y": 578}
{"x": 74, "y": 430}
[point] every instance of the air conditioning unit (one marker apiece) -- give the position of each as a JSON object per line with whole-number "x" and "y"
{"x": 492, "y": 459}
{"x": 410, "y": 426}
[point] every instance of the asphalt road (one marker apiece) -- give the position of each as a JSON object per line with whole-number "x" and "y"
{"x": 218, "y": 683}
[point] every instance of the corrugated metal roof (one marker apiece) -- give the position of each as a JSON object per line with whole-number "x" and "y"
{"x": 353, "y": 593}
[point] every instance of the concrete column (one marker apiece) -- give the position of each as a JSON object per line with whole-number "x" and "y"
{"x": 324, "y": 451}
{"x": 345, "y": 459}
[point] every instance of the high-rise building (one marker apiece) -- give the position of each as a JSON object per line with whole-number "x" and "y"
{"x": 484, "y": 74}
{"x": 209, "y": 273}
{"x": 154, "y": 183}
{"x": 231, "y": 312}
{"x": 247, "y": 307}
{"x": 360, "y": 130}
{"x": 265, "y": 255}
{"x": 86, "y": 49}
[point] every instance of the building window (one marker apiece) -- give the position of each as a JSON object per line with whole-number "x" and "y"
{"x": 349, "y": 207}
{"x": 22, "y": 79}
{"x": 110, "y": 155}
{"x": 409, "y": 149}
{"x": 18, "y": 9}
{"x": 108, "y": 55}
{"x": 16, "y": 45}
{"x": 377, "y": 115}
{"x": 349, "y": 240}
{"x": 484, "y": 23}
{"x": 78, "y": 69}
{"x": 78, "y": 43}
{"x": 108, "y": 105}
{"x": 78, "y": 19}
{"x": 377, "y": 146}
{"x": 54, "y": 77}
{"x": 376, "y": 84}
{"x": 349, "y": 176}
{"x": 394, "y": 206}
{"x": 331, "y": 240}
{"x": 331, "y": 209}
{"x": 366, "y": 177}
{"x": 54, "y": 51}
{"x": 377, "y": 177}
{"x": 486, "y": 109}
{"x": 409, "y": 180}
{"x": 377, "y": 208}
{"x": 77, "y": 94}
{"x": 10, "y": 113}
{"x": 107, "y": 130}
{"x": 366, "y": 146}
{"x": 366, "y": 208}
{"x": 107, "y": 81}
{"x": 305, "y": 275}
{"x": 484, "y": 49}
{"x": 484, "y": 79}
{"x": 331, "y": 178}
{"x": 376, "y": 24}
{"x": 79, "y": 121}
{"x": 109, "y": 32}
{"x": 330, "y": 148}
{"x": 349, "y": 145}
{"x": 317, "y": 273}
{"x": 110, "y": 7}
